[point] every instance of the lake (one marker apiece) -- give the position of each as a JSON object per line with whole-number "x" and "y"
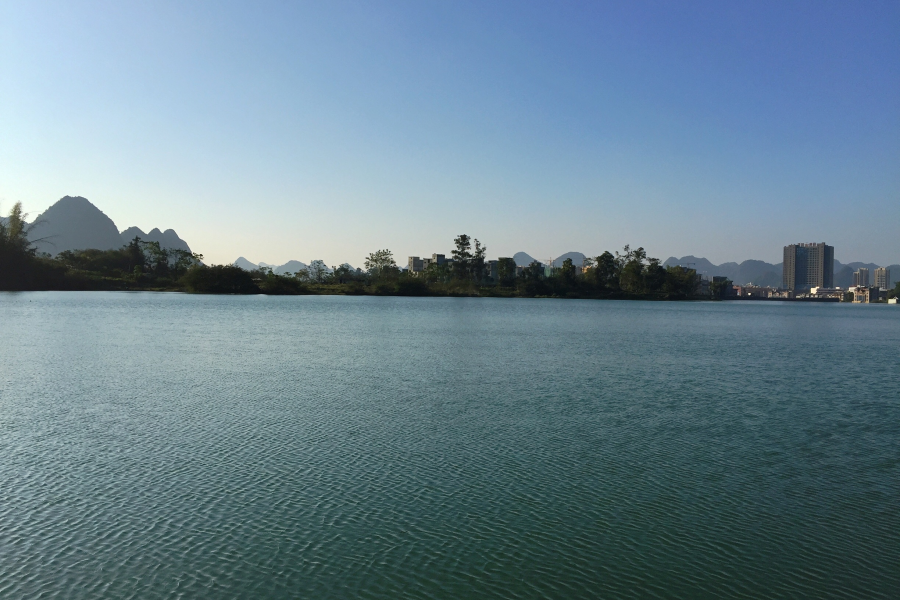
{"x": 186, "y": 446}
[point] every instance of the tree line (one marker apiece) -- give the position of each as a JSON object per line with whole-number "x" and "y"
{"x": 144, "y": 265}
{"x": 627, "y": 274}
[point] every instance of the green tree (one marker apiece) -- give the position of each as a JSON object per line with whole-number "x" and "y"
{"x": 16, "y": 252}
{"x": 381, "y": 263}
{"x": 532, "y": 280}
{"x": 135, "y": 254}
{"x": 344, "y": 274}
{"x": 680, "y": 282}
{"x": 14, "y": 233}
{"x": 654, "y": 277}
{"x": 435, "y": 273}
{"x": 506, "y": 272}
{"x": 462, "y": 256}
{"x": 631, "y": 269}
{"x": 719, "y": 287}
{"x": 567, "y": 272}
{"x": 317, "y": 271}
{"x": 477, "y": 267}
{"x": 181, "y": 260}
{"x": 156, "y": 258}
{"x": 606, "y": 272}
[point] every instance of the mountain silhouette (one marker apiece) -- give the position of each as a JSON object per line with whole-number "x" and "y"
{"x": 577, "y": 259}
{"x": 523, "y": 259}
{"x": 755, "y": 272}
{"x": 291, "y": 266}
{"x": 73, "y": 223}
{"x": 245, "y": 264}
{"x": 166, "y": 239}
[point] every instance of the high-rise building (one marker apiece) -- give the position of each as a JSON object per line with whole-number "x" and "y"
{"x": 861, "y": 277}
{"x": 808, "y": 265}
{"x": 882, "y": 278}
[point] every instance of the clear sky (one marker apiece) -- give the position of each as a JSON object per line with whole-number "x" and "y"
{"x": 291, "y": 130}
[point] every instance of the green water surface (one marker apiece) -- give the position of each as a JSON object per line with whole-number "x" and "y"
{"x": 176, "y": 446}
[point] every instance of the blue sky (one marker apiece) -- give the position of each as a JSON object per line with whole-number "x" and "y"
{"x": 329, "y": 130}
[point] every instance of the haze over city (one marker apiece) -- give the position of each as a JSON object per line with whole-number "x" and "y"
{"x": 328, "y": 131}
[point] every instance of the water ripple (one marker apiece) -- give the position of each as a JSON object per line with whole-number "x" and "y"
{"x": 171, "y": 446}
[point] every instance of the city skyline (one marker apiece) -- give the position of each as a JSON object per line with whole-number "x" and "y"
{"x": 283, "y": 132}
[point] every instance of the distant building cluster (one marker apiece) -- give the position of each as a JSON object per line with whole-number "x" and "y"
{"x": 808, "y": 274}
{"x": 418, "y": 265}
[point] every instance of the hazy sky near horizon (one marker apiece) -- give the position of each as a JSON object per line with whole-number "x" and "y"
{"x": 281, "y": 130}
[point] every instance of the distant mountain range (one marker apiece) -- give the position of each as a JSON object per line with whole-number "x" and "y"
{"x": 73, "y": 223}
{"x": 523, "y": 260}
{"x": 762, "y": 273}
{"x": 291, "y": 266}
{"x": 755, "y": 272}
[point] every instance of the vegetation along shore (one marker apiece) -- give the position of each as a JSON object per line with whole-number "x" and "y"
{"x": 145, "y": 265}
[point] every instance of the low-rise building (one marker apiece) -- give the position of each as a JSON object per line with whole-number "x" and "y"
{"x": 418, "y": 265}
{"x": 415, "y": 265}
{"x": 823, "y": 292}
{"x": 783, "y": 294}
{"x": 865, "y": 294}
{"x": 759, "y": 292}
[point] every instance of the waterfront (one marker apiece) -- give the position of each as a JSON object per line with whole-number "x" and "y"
{"x": 166, "y": 445}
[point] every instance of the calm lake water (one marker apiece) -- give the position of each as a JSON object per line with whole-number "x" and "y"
{"x": 177, "y": 446}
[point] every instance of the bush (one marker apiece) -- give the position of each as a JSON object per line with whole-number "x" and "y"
{"x": 219, "y": 279}
{"x": 280, "y": 285}
{"x": 412, "y": 286}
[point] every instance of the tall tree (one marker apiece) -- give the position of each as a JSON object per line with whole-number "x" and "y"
{"x": 478, "y": 262}
{"x": 318, "y": 271}
{"x": 506, "y": 272}
{"x": 381, "y": 262}
{"x": 654, "y": 276}
{"x": 14, "y": 233}
{"x": 631, "y": 269}
{"x": 681, "y": 282}
{"x": 719, "y": 288}
{"x": 462, "y": 256}
{"x": 606, "y": 272}
{"x": 532, "y": 282}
